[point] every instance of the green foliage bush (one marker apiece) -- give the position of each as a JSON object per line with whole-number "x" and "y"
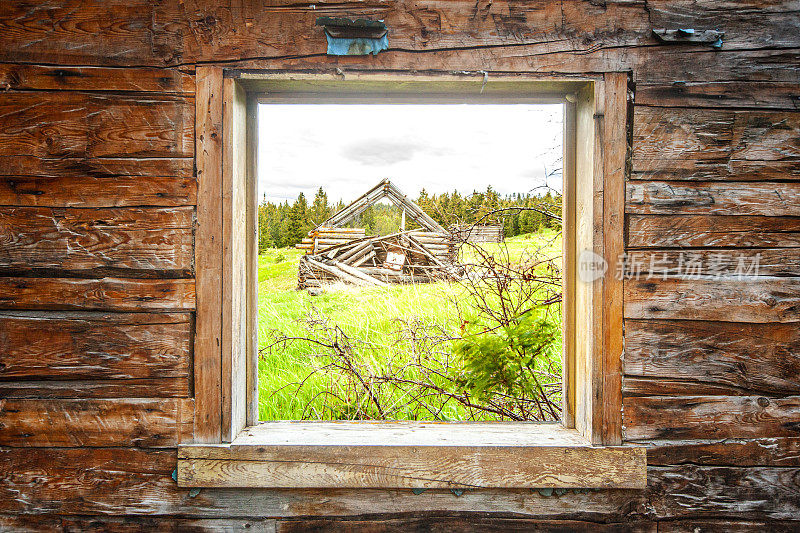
{"x": 502, "y": 360}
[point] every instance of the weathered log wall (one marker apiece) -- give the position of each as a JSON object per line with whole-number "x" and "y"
{"x": 97, "y": 201}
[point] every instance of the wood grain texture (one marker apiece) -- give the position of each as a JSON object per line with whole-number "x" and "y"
{"x": 710, "y": 198}
{"x": 719, "y": 94}
{"x": 107, "y": 294}
{"x": 39, "y": 345}
{"x": 758, "y": 299}
{"x": 759, "y": 358}
{"x": 779, "y": 451}
{"x": 711, "y": 417}
{"x": 30, "y": 166}
{"x": 62, "y": 78}
{"x": 72, "y": 124}
{"x": 715, "y": 491}
{"x": 693, "y": 144}
{"x": 144, "y": 422}
{"x": 98, "y": 241}
{"x": 90, "y": 191}
{"x": 342, "y": 466}
{"x": 459, "y": 524}
{"x": 209, "y": 256}
{"x": 615, "y": 157}
{"x": 705, "y": 231}
{"x": 98, "y": 388}
{"x": 132, "y": 524}
{"x": 714, "y": 262}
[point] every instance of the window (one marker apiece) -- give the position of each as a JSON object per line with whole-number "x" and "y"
{"x": 231, "y": 449}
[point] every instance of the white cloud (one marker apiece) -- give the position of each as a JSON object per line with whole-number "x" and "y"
{"x": 348, "y": 148}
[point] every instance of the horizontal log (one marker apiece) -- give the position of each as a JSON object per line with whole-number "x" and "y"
{"x": 758, "y": 299}
{"x": 107, "y": 294}
{"x": 98, "y": 388}
{"x": 151, "y": 423}
{"x": 92, "y": 125}
{"x": 713, "y": 262}
{"x": 126, "y": 481}
{"x": 762, "y": 358}
{"x": 98, "y": 240}
{"x": 112, "y": 33}
{"x": 710, "y": 417}
{"x": 78, "y": 345}
{"x": 62, "y": 78}
{"x": 780, "y": 451}
{"x": 715, "y": 94}
{"x": 26, "y": 165}
{"x": 89, "y": 191}
{"x": 726, "y": 525}
{"x": 461, "y": 524}
{"x": 680, "y": 144}
{"x": 646, "y": 386}
{"x": 710, "y": 198}
{"x": 356, "y": 455}
{"x": 698, "y": 231}
{"x": 129, "y": 524}
{"x": 718, "y": 491}
{"x": 137, "y": 482}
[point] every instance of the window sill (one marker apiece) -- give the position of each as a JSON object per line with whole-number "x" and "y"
{"x": 423, "y": 455}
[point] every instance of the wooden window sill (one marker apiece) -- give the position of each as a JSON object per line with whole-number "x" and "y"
{"x": 422, "y": 455}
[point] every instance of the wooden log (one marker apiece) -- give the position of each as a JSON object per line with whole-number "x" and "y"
{"x": 682, "y": 144}
{"x": 98, "y": 388}
{"x": 359, "y": 274}
{"x": 80, "y": 345}
{"x": 486, "y": 524}
{"x": 89, "y": 191}
{"x": 26, "y": 165}
{"x": 714, "y": 262}
{"x": 759, "y": 358}
{"x": 760, "y": 95}
{"x": 111, "y": 294}
{"x": 336, "y": 272}
{"x": 98, "y": 240}
{"x": 712, "y": 525}
{"x": 151, "y": 423}
{"x": 710, "y": 198}
{"x": 689, "y": 231}
{"x": 757, "y": 300}
{"x": 82, "y": 124}
{"x": 138, "y": 482}
{"x": 129, "y": 524}
{"x": 364, "y": 259}
{"x": 762, "y": 492}
{"x": 777, "y": 451}
{"x": 647, "y": 386}
{"x": 710, "y": 417}
{"x": 63, "y": 78}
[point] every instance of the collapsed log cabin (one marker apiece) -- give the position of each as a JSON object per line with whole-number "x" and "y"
{"x": 339, "y": 254}
{"x": 111, "y": 137}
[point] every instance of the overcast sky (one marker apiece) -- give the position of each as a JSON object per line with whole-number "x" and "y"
{"x": 347, "y": 149}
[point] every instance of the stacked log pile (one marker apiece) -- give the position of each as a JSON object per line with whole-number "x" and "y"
{"x": 476, "y": 233}
{"x": 406, "y": 257}
{"x": 326, "y": 236}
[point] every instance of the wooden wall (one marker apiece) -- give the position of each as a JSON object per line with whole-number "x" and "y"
{"x": 97, "y": 208}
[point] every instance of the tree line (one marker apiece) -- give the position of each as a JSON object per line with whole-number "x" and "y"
{"x": 285, "y": 224}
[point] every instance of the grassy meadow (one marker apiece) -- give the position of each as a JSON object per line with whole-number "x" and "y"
{"x": 372, "y": 314}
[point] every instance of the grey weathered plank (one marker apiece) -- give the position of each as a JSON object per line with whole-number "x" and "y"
{"x": 711, "y": 417}
{"x": 706, "y": 231}
{"x": 84, "y": 345}
{"x": 757, "y": 299}
{"x": 98, "y": 240}
{"x": 762, "y": 358}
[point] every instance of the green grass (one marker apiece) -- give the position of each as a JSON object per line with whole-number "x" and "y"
{"x": 363, "y": 313}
